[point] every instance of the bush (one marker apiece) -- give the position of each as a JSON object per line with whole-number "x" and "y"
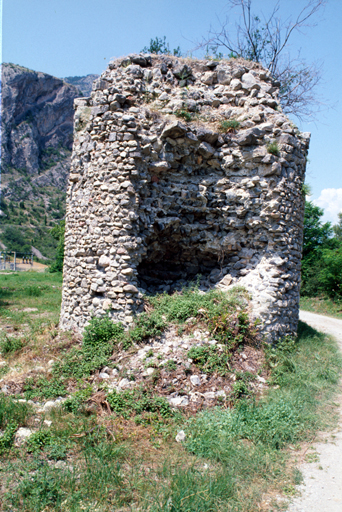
{"x": 331, "y": 273}
{"x": 99, "y": 339}
{"x": 101, "y": 331}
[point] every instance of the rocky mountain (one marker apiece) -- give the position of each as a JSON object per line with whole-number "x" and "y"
{"x": 36, "y": 141}
{"x": 83, "y": 83}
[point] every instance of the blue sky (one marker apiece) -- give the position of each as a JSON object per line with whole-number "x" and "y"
{"x": 78, "y": 37}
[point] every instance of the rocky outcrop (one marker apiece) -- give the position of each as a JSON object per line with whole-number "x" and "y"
{"x": 183, "y": 168}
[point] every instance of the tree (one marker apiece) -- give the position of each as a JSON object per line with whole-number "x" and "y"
{"x": 331, "y": 273}
{"x": 319, "y": 274}
{"x": 57, "y": 232}
{"x": 338, "y": 227}
{"x": 264, "y": 39}
{"x": 316, "y": 236}
{"x": 159, "y": 46}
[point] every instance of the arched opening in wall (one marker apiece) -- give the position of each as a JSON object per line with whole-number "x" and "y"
{"x": 173, "y": 261}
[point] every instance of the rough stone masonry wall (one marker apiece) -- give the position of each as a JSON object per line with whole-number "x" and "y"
{"x": 159, "y": 193}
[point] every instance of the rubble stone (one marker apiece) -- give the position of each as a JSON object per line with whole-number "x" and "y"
{"x": 159, "y": 200}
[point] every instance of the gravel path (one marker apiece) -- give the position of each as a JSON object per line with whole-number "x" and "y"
{"x": 322, "y": 488}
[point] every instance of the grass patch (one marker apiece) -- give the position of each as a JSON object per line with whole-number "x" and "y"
{"x": 31, "y": 298}
{"x": 288, "y": 414}
{"x": 137, "y": 402}
{"x": 322, "y": 306}
{"x": 210, "y": 359}
{"x": 126, "y": 458}
{"x": 42, "y": 387}
{"x": 13, "y": 412}
{"x": 9, "y": 345}
{"x": 12, "y": 416}
{"x": 273, "y": 148}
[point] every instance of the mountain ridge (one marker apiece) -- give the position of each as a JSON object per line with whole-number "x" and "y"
{"x": 36, "y": 141}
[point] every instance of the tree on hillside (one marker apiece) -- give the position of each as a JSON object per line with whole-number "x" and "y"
{"x": 265, "y": 39}
{"x": 15, "y": 240}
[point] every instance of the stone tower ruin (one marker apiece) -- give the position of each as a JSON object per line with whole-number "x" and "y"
{"x": 183, "y": 169}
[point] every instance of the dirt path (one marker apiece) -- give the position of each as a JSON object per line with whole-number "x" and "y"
{"x": 322, "y": 488}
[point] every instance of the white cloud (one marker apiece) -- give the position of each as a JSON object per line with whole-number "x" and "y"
{"x": 331, "y": 201}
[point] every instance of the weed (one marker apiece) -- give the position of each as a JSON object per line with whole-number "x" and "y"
{"x": 312, "y": 457}
{"x": 38, "y": 440}
{"x": 149, "y": 353}
{"x": 13, "y": 412}
{"x": 229, "y": 126}
{"x": 240, "y": 389}
{"x": 170, "y": 365}
{"x": 273, "y": 148}
{"x": 138, "y": 401}
{"x": 146, "y": 326}
{"x": 75, "y": 402}
{"x": 42, "y": 387}
{"x": 33, "y": 291}
{"x": 149, "y": 97}
{"x": 184, "y": 114}
{"x": 9, "y": 345}
{"x": 210, "y": 359}
{"x": 56, "y": 451}
{"x": 98, "y": 343}
{"x": 7, "y": 437}
{"x": 191, "y": 490}
{"x": 39, "y": 492}
{"x": 3, "y": 370}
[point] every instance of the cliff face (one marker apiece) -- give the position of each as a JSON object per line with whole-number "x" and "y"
{"x": 37, "y": 114}
{"x": 36, "y": 139}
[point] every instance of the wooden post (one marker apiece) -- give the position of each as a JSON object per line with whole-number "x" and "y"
{"x": 15, "y": 261}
